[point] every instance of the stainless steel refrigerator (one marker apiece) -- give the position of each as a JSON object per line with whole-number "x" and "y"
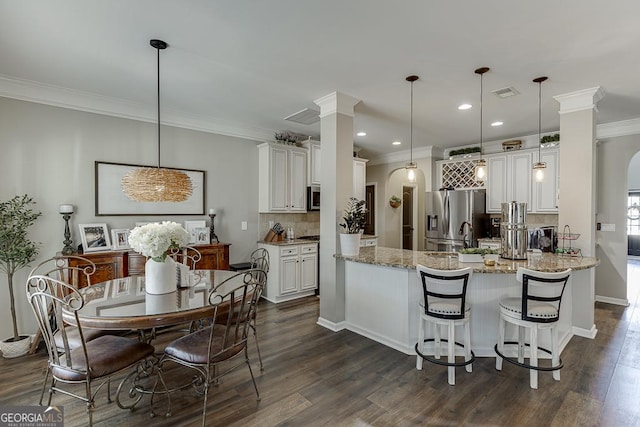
{"x": 455, "y": 219}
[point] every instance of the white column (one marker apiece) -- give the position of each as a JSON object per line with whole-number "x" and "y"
{"x": 336, "y": 141}
{"x": 577, "y": 201}
{"x": 577, "y": 206}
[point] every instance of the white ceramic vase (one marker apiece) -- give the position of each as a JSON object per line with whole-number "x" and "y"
{"x": 350, "y": 244}
{"x": 160, "y": 277}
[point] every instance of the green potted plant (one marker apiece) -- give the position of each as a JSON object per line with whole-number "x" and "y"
{"x": 16, "y": 252}
{"x": 354, "y": 222}
{"x": 395, "y": 201}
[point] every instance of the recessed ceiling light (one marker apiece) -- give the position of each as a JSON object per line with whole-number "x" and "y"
{"x": 497, "y": 124}
{"x": 464, "y": 107}
{"x": 396, "y": 143}
{"x": 361, "y": 134}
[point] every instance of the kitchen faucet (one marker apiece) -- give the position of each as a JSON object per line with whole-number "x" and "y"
{"x": 469, "y": 231}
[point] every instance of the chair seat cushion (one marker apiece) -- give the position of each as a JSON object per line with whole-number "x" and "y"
{"x": 107, "y": 354}
{"x": 446, "y": 307}
{"x": 192, "y": 348}
{"x": 536, "y": 309}
{"x": 73, "y": 337}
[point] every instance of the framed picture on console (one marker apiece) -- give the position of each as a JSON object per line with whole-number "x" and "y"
{"x": 111, "y": 200}
{"x": 192, "y": 228}
{"x": 120, "y": 238}
{"x": 95, "y": 237}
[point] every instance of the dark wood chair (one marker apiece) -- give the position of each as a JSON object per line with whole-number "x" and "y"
{"x": 233, "y": 303}
{"x": 92, "y": 361}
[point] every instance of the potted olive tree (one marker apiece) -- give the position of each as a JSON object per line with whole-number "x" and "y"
{"x": 16, "y": 251}
{"x": 354, "y": 222}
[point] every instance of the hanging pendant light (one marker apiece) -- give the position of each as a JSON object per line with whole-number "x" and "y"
{"x": 149, "y": 184}
{"x": 538, "y": 168}
{"x": 411, "y": 167}
{"x": 481, "y": 165}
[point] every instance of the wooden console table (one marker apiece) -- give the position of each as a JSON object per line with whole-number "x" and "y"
{"x": 116, "y": 264}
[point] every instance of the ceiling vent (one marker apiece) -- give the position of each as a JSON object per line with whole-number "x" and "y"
{"x": 505, "y": 92}
{"x": 305, "y": 117}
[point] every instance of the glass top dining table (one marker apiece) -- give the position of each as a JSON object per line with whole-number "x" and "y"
{"x": 123, "y": 303}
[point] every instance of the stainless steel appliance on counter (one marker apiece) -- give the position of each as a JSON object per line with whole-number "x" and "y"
{"x": 513, "y": 230}
{"x": 455, "y": 219}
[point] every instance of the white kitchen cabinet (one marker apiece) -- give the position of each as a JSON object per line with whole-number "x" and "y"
{"x": 546, "y": 192}
{"x": 293, "y": 271}
{"x": 359, "y": 178}
{"x": 282, "y": 183}
{"x": 313, "y": 162}
{"x": 509, "y": 179}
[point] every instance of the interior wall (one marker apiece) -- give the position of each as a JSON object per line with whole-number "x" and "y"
{"x": 614, "y": 156}
{"x": 49, "y": 153}
{"x": 634, "y": 173}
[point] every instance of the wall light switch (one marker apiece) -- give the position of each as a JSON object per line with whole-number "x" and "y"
{"x": 243, "y": 225}
{"x": 607, "y": 227}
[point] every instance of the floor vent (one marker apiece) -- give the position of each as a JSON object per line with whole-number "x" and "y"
{"x": 305, "y": 117}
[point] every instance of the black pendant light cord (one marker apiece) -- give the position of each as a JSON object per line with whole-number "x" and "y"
{"x": 539, "y": 80}
{"x": 158, "y": 45}
{"x": 481, "y": 71}
{"x": 411, "y": 79}
{"x": 158, "y": 50}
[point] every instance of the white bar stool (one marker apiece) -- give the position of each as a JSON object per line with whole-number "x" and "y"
{"x": 444, "y": 304}
{"x": 538, "y": 309}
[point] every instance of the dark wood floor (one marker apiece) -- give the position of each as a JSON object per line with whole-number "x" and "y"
{"x": 314, "y": 377}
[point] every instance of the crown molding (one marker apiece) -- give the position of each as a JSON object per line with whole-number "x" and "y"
{"x": 621, "y": 128}
{"x": 27, "y": 90}
{"x": 336, "y": 102}
{"x": 585, "y": 99}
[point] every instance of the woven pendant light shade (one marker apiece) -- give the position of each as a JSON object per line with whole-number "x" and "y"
{"x": 157, "y": 185}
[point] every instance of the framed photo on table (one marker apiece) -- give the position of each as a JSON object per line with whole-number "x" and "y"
{"x": 202, "y": 235}
{"x": 120, "y": 238}
{"x": 95, "y": 237}
{"x": 191, "y": 227}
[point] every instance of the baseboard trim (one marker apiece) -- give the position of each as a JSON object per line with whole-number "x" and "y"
{"x": 332, "y": 326}
{"x": 616, "y": 301}
{"x": 585, "y": 333}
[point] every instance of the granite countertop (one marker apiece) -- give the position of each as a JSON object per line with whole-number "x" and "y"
{"x": 287, "y": 242}
{"x": 401, "y": 258}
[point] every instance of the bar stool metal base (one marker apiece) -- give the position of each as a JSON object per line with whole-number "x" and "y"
{"x": 514, "y": 360}
{"x": 439, "y": 361}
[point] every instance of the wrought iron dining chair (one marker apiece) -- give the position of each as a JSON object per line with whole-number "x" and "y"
{"x": 233, "y": 303}
{"x": 187, "y": 255}
{"x": 91, "y": 361}
{"x": 59, "y": 269}
{"x": 259, "y": 262}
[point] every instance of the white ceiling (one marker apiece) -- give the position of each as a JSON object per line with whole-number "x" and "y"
{"x": 242, "y": 66}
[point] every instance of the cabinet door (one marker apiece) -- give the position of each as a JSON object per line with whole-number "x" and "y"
{"x": 298, "y": 181}
{"x": 308, "y": 272}
{"x": 288, "y": 274}
{"x": 109, "y": 266}
{"x": 496, "y": 183}
{"x": 359, "y": 179}
{"x": 314, "y": 164}
{"x": 546, "y": 197}
{"x": 278, "y": 197}
{"x": 520, "y": 167}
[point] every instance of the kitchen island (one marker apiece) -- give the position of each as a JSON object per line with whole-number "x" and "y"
{"x": 382, "y": 292}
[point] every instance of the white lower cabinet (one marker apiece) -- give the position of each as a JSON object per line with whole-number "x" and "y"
{"x": 293, "y": 271}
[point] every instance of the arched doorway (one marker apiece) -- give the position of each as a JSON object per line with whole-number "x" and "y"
{"x": 633, "y": 207}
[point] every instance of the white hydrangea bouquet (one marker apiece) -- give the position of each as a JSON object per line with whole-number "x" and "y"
{"x": 155, "y": 239}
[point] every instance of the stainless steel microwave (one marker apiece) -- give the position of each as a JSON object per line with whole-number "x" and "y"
{"x": 313, "y": 198}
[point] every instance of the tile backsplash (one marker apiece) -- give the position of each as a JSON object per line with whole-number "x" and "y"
{"x": 304, "y": 224}
{"x": 537, "y": 219}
